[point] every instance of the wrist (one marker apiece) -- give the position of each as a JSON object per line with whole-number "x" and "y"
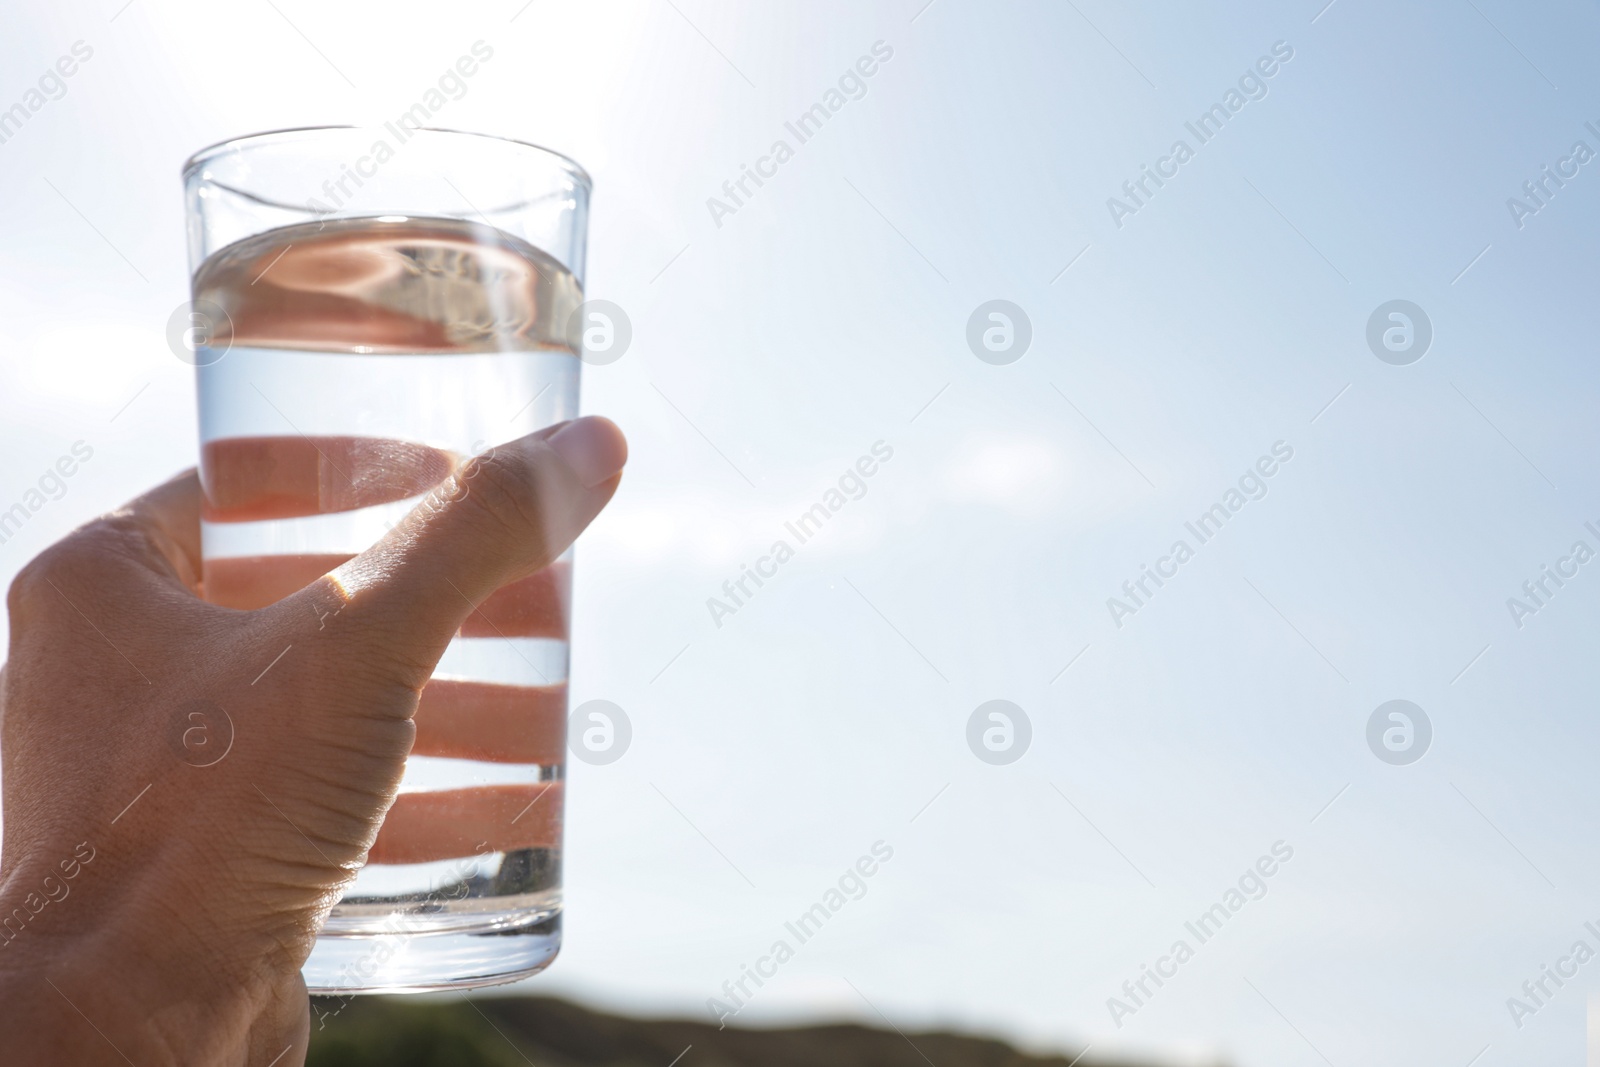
{"x": 99, "y": 985}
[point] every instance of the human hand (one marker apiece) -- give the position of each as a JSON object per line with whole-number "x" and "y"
{"x": 196, "y": 892}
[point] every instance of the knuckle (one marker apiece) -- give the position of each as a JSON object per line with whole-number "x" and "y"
{"x": 80, "y": 557}
{"x": 504, "y": 489}
{"x": 40, "y": 578}
{"x": 390, "y": 666}
{"x": 23, "y": 590}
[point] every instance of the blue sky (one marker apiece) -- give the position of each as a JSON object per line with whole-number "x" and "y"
{"x": 771, "y": 351}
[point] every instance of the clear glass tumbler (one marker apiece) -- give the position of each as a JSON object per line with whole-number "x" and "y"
{"x": 374, "y": 306}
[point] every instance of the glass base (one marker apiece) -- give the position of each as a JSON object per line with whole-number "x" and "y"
{"x": 418, "y": 960}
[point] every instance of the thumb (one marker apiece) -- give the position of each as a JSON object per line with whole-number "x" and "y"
{"x": 501, "y": 516}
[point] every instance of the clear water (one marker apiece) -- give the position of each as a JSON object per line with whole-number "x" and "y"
{"x": 354, "y": 365}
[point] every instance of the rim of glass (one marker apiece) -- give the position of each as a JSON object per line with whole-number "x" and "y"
{"x": 235, "y": 144}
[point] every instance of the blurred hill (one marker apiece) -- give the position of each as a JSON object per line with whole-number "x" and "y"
{"x": 517, "y": 1031}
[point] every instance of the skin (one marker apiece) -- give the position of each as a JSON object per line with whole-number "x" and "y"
{"x": 180, "y": 940}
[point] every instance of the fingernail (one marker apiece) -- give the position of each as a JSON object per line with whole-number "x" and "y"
{"x": 593, "y": 447}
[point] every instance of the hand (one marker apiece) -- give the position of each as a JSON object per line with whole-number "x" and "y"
{"x": 155, "y": 912}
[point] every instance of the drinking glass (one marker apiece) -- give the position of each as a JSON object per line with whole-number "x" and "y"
{"x": 372, "y": 307}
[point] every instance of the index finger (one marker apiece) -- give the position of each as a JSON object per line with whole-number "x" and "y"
{"x": 170, "y": 515}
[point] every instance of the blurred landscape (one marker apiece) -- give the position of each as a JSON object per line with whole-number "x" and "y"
{"x": 516, "y": 1031}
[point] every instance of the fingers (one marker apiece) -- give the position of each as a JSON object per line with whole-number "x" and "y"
{"x": 503, "y": 516}
{"x": 252, "y": 478}
{"x": 536, "y": 606}
{"x": 452, "y": 823}
{"x": 499, "y": 723}
{"x": 250, "y": 582}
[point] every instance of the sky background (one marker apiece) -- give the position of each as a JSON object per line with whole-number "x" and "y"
{"x": 830, "y": 312}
